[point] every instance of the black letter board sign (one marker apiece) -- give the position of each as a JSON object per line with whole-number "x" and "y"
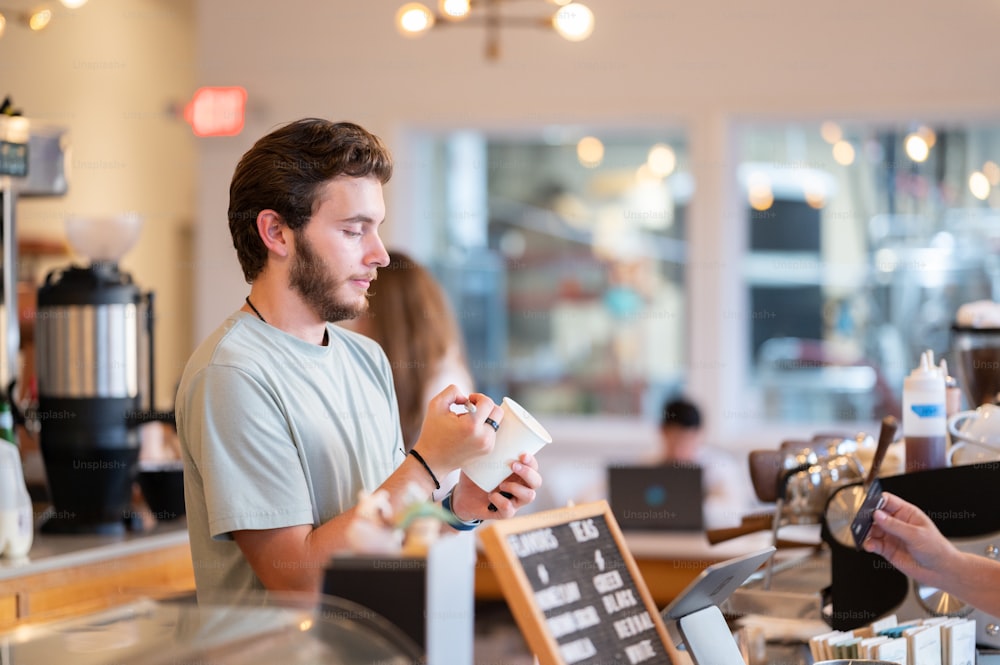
{"x": 574, "y": 588}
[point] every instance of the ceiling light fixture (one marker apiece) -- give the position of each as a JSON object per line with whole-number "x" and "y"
{"x": 571, "y": 20}
{"x": 37, "y": 19}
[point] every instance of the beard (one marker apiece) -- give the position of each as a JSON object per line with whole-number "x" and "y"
{"x": 310, "y": 277}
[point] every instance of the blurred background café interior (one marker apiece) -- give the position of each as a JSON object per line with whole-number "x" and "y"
{"x": 773, "y": 208}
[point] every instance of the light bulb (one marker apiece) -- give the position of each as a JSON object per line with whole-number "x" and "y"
{"x": 590, "y": 151}
{"x": 843, "y": 153}
{"x": 73, "y": 4}
{"x": 917, "y": 148}
{"x": 661, "y": 160}
{"x": 574, "y": 22}
{"x": 454, "y": 10}
{"x": 927, "y": 134}
{"x": 831, "y": 132}
{"x": 3, "y": 24}
{"x": 39, "y": 19}
{"x": 414, "y": 19}
{"x": 979, "y": 185}
{"x": 760, "y": 195}
{"x": 813, "y": 191}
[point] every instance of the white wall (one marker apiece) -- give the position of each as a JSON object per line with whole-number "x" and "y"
{"x": 706, "y": 65}
{"x": 108, "y": 72}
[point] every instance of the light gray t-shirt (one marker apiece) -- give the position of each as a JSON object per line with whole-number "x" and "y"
{"x": 278, "y": 432}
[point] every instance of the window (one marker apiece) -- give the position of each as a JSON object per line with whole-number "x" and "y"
{"x": 864, "y": 239}
{"x": 572, "y": 295}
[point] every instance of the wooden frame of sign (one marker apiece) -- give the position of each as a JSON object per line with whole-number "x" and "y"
{"x": 575, "y": 589}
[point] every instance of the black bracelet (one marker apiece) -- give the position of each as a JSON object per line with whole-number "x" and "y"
{"x": 413, "y": 451}
{"x": 459, "y": 524}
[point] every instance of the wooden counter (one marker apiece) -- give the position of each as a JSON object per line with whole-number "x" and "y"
{"x": 69, "y": 575}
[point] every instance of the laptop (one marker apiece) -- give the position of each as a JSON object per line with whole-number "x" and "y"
{"x": 665, "y": 497}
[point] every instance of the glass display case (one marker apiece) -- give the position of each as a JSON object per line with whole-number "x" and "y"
{"x": 287, "y": 629}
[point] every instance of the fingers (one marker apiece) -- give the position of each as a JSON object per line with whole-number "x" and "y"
{"x": 444, "y": 399}
{"x": 518, "y": 489}
{"x": 482, "y": 411}
{"x": 903, "y": 510}
{"x": 902, "y": 520}
{"x": 509, "y": 499}
{"x": 893, "y": 510}
{"x": 874, "y": 543}
{"x": 892, "y": 504}
{"x": 486, "y": 410}
{"x": 527, "y": 470}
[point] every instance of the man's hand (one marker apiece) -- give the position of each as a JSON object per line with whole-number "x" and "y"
{"x": 450, "y": 440}
{"x": 517, "y": 490}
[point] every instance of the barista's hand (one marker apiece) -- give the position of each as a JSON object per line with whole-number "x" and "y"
{"x": 907, "y": 538}
{"x": 450, "y": 440}
{"x": 517, "y": 490}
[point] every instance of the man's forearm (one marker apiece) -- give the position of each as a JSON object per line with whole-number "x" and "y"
{"x": 293, "y": 558}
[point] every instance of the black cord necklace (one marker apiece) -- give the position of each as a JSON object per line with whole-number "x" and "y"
{"x": 326, "y": 333}
{"x": 255, "y": 310}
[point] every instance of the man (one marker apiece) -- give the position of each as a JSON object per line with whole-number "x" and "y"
{"x": 728, "y": 495}
{"x": 283, "y": 417}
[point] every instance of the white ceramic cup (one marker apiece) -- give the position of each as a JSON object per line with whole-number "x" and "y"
{"x": 519, "y": 433}
{"x": 975, "y": 436}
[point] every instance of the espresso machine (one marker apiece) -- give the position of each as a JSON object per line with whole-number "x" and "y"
{"x": 94, "y": 343}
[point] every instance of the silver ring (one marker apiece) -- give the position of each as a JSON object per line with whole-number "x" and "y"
{"x": 492, "y": 423}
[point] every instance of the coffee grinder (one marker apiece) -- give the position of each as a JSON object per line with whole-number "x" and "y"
{"x": 93, "y": 325}
{"x": 977, "y": 356}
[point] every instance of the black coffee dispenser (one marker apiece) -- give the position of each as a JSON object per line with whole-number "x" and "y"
{"x": 92, "y": 325}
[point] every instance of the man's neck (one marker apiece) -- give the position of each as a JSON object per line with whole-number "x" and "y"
{"x": 287, "y": 312}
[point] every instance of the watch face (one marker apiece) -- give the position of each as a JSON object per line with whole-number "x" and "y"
{"x": 862, "y": 522}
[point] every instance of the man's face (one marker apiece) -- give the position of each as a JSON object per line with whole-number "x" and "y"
{"x": 338, "y": 251}
{"x": 680, "y": 443}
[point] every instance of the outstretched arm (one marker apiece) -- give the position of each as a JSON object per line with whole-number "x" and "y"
{"x": 908, "y": 539}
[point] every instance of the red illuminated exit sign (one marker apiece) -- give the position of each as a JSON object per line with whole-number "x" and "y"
{"x": 217, "y": 111}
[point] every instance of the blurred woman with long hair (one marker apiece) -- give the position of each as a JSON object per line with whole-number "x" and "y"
{"x": 410, "y": 317}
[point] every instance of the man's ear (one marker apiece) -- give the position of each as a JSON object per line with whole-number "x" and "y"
{"x": 272, "y": 230}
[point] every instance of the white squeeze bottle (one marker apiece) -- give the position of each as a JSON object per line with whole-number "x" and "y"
{"x": 16, "y": 513}
{"x": 925, "y": 426}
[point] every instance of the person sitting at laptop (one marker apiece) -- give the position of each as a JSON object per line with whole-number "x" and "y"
{"x": 728, "y": 493}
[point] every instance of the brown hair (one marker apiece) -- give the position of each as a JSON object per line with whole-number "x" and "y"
{"x": 410, "y": 317}
{"x": 284, "y": 172}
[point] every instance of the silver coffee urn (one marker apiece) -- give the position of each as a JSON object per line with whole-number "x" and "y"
{"x": 93, "y": 332}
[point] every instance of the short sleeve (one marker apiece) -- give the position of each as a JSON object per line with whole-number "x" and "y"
{"x": 242, "y": 447}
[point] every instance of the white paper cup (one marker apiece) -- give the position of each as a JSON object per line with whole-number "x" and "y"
{"x": 519, "y": 433}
